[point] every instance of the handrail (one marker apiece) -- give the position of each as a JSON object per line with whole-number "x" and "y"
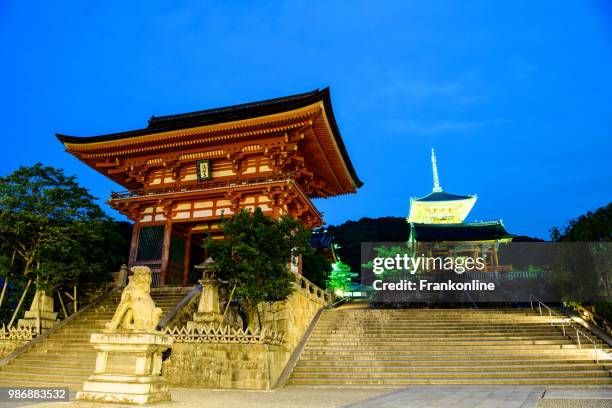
{"x": 171, "y": 314}
{"x": 563, "y": 322}
{"x": 346, "y": 298}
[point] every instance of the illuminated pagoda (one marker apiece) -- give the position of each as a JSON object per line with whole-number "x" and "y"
{"x": 184, "y": 172}
{"x": 438, "y": 227}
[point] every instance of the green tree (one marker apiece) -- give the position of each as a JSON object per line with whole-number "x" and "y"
{"x": 593, "y": 226}
{"x": 60, "y": 236}
{"x": 590, "y": 264}
{"x": 255, "y": 254}
{"x": 316, "y": 268}
{"x": 340, "y": 277}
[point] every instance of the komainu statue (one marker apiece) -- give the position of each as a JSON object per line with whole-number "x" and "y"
{"x": 136, "y": 311}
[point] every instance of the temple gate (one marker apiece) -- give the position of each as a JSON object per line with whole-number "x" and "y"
{"x": 184, "y": 172}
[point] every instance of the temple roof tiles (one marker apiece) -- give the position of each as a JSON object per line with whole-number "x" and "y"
{"x": 443, "y": 196}
{"x": 467, "y": 231}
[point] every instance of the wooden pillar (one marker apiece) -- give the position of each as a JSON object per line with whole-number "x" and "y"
{"x": 165, "y": 252}
{"x": 187, "y": 259}
{"x": 134, "y": 244}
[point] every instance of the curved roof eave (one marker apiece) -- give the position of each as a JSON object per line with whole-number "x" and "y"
{"x": 159, "y": 124}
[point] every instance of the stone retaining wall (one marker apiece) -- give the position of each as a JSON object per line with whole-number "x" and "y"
{"x": 236, "y": 366}
{"x": 247, "y": 366}
{"x": 8, "y": 346}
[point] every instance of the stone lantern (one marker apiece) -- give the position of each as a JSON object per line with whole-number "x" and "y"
{"x": 208, "y": 307}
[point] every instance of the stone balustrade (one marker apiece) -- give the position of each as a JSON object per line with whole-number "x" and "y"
{"x": 210, "y": 333}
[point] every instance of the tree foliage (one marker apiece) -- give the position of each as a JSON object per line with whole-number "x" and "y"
{"x": 591, "y": 227}
{"x": 255, "y": 253}
{"x": 589, "y": 264}
{"x": 340, "y": 277}
{"x": 351, "y": 234}
{"x": 59, "y": 235}
{"x": 316, "y": 268}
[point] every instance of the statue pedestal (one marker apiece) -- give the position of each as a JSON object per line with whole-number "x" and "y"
{"x": 128, "y": 369}
{"x": 41, "y": 316}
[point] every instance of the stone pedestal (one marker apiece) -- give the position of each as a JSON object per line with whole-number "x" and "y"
{"x": 41, "y": 316}
{"x": 128, "y": 369}
{"x": 208, "y": 307}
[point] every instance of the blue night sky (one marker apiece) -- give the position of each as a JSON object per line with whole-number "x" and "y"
{"x": 515, "y": 96}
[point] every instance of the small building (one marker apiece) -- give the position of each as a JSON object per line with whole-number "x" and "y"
{"x": 323, "y": 243}
{"x": 183, "y": 173}
{"x": 438, "y": 227}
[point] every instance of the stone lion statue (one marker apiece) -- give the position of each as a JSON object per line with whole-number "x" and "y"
{"x": 136, "y": 310}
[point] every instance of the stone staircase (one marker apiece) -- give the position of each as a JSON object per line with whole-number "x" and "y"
{"x": 363, "y": 347}
{"x": 65, "y": 358}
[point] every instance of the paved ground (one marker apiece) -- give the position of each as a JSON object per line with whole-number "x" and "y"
{"x": 456, "y": 397}
{"x": 410, "y": 397}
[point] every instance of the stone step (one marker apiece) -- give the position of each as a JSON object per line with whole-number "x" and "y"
{"x": 453, "y": 353}
{"x": 432, "y": 339}
{"x": 442, "y": 329}
{"x": 441, "y": 374}
{"x": 85, "y": 371}
{"x": 446, "y": 318}
{"x": 393, "y": 338}
{"x": 436, "y": 310}
{"x": 434, "y": 325}
{"x": 495, "y": 367}
{"x": 446, "y": 347}
{"x": 26, "y": 365}
{"x": 69, "y": 378}
{"x": 45, "y": 358}
{"x": 73, "y": 386}
{"x": 63, "y": 353}
{"x": 392, "y": 382}
{"x": 586, "y": 355}
{"x": 456, "y": 332}
{"x": 437, "y": 361}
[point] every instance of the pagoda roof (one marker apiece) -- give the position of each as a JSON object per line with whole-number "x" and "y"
{"x": 466, "y": 231}
{"x": 173, "y": 132}
{"x": 442, "y": 196}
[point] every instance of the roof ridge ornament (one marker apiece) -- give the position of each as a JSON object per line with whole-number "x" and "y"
{"x": 434, "y": 167}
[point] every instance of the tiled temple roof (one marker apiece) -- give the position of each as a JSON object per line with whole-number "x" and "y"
{"x": 467, "y": 231}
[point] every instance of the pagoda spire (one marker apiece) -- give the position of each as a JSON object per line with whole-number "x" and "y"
{"x": 434, "y": 167}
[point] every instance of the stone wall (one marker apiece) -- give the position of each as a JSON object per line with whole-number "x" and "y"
{"x": 295, "y": 314}
{"x": 236, "y": 366}
{"x": 247, "y": 366}
{"x": 8, "y": 346}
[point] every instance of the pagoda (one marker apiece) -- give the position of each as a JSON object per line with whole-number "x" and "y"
{"x": 438, "y": 227}
{"x": 183, "y": 173}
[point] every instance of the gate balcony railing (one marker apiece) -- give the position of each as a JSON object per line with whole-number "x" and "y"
{"x": 202, "y": 186}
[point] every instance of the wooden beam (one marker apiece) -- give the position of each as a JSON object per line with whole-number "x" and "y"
{"x": 106, "y": 164}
